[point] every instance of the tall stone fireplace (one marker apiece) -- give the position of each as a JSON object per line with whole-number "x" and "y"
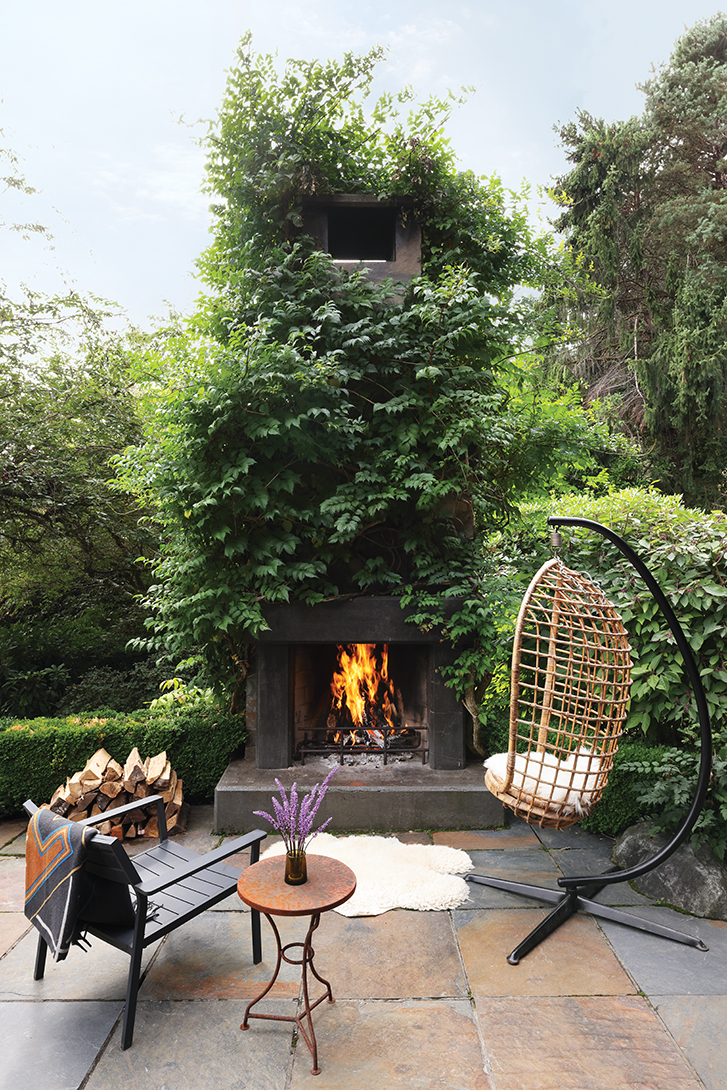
{"x": 414, "y": 773}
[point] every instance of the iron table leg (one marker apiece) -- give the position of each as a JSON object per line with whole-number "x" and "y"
{"x": 305, "y": 961}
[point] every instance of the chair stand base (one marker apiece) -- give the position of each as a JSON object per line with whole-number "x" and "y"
{"x": 566, "y": 905}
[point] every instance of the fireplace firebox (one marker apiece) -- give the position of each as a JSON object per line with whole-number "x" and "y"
{"x": 358, "y": 699}
{"x": 289, "y": 713}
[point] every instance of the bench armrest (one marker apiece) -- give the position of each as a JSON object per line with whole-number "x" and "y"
{"x": 252, "y": 839}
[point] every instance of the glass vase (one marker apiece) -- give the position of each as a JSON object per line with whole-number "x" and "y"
{"x": 295, "y": 868}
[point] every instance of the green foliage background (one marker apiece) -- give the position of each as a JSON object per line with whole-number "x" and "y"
{"x": 316, "y": 435}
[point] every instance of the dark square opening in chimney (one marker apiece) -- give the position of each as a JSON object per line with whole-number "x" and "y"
{"x": 362, "y": 234}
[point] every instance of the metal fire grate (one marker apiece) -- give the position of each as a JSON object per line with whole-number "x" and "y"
{"x": 389, "y": 742}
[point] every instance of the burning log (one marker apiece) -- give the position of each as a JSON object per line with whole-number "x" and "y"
{"x": 104, "y": 785}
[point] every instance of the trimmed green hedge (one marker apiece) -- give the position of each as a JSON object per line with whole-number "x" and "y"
{"x": 622, "y": 803}
{"x": 36, "y": 755}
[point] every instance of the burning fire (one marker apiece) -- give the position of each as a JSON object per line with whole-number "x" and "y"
{"x": 363, "y": 695}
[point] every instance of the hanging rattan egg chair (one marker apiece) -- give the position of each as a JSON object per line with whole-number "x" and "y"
{"x": 570, "y": 689}
{"x": 570, "y": 679}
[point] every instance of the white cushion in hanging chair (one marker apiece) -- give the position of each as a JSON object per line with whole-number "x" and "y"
{"x": 567, "y": 782}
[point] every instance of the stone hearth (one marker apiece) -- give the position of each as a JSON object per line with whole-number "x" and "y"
{"x": 397, "y": 798}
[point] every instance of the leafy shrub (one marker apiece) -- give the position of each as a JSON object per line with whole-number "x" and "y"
{"x": 87, "y": 626}
{"x": 33, "y": 692}
{"x": 176, "y": 691}
{"x": 685, "y": 550}
{"x": 36, "y": 755}
{"x": 105, "y": 687}
{"x": 625, "y": 799}
{"x": 667, "y": 780}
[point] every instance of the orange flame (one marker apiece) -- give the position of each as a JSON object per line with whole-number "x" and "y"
{"x": 362, "y": 686}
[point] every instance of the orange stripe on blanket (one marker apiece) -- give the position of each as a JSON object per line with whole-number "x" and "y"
{"x": 42, "y": 857}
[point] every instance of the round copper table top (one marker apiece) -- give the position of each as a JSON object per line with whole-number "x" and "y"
{"x": 263, "y": 887}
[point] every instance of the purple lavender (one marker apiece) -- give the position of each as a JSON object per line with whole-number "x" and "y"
{"x": 294, "y": 818}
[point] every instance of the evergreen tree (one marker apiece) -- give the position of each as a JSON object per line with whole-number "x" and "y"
{"x": 645, "y": 202}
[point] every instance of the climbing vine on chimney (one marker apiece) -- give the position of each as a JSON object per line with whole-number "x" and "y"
{"x": 315, "y": 435}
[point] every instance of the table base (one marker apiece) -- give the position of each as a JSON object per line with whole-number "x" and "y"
{"x": 306, "y": 961}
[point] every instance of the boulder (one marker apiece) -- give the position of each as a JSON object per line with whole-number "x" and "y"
{"x": 692, "y": 881}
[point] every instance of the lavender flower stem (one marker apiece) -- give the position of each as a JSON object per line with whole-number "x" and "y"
{"x": 294, "y": 817}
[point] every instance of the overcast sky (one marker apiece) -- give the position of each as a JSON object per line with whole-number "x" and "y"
{"x": 99, "y": 101}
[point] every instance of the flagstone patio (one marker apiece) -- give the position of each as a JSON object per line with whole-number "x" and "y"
{"x": 423, "y": 999}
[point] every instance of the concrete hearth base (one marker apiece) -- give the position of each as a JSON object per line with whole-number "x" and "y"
{"x": 399, "y": 797}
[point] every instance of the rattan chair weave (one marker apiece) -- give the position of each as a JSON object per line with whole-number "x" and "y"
{"x": 570, "y": 681}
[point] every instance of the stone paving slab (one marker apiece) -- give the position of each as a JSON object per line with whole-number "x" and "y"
{"x": 489, "y": 897}
{"x": 403, "y": 1045}
{"x": 12, "y": 926}
{"x": 98, "y": 973}
{"x": 581, "y": 861}
{"x": 697, "y": 1023}
{"x": 520, "y": 865}
{"x": 413, "y": 837}
{"x": 398, "y": 954}
{"x": 575, "y": 960}
{"x": 585, "y": 861}
{"x": 233, "y": 903}
{"x": 211, "y": 958}
{"x": 197, "y": 1046}
{"x": 12, "y": 883}
{"x": 586, "y": 1043}
{"x": 517, "y": 836}
{"x": 531, "y": 865}
{"x": 539, "y": 867}
{"x": 12, "y": 836}
{"x": 51, "y": 1046}
{"x": 662, "y": 967}
{"x": 575, "y": 836}
{"x": 401, "y": 981}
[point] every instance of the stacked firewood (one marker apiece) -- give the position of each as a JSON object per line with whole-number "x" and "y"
{"x": 104, "y": 785}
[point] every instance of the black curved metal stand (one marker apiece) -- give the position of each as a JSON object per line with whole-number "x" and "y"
{"x": 579, "y": 891}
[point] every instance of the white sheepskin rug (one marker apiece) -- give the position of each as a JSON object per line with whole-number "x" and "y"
{"x": 390, "y": 874}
